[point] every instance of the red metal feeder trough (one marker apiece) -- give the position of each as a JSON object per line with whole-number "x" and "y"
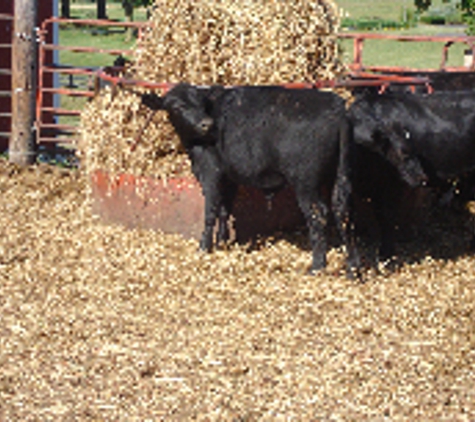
{"x": 177, "y": 206}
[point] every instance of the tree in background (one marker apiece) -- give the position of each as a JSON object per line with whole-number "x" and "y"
{"x": 101, "y": 9}
{"x": 422, "y": 5}
{"x": 128, "y": 6}
{"x": 468, "y": 13}
{"x": 65, "y": 9}
{"x": 466, "y": 6}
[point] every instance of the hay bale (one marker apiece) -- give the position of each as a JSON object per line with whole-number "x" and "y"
{"x": 207, "y": 42}
{"x": 253, "y": 42}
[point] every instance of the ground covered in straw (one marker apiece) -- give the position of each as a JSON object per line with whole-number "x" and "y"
{"x": 102, "y": 323}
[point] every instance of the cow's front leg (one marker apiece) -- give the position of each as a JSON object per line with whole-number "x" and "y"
{"x": 316, "y": 216}
{"x": 213, "y": 204}
{"x": 229, "y": 190}
{"x": 205, "y": 165}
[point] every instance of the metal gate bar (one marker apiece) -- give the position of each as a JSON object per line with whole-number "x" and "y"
{"x": 359, "y": 39}
{"x": 45, "y": 68}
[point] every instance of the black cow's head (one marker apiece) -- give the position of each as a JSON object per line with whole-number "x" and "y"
{"x": 190, "y": 109}
{"x": 395, "y": 145}
{"x": 389, "y": 139}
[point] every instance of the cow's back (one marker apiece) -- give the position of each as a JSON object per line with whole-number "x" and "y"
{"x": 440, "y": 127}
{"x": 272, "y": 134}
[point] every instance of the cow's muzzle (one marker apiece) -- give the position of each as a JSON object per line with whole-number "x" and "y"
{"x": 205, "y": 125}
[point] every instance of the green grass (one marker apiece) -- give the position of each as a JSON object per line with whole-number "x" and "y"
{"x": 385, "y": 9}
{"x": 413, "y": 55}
{"x": 96, "y": 37}
{"x": 85, "y": 37}
{"x": 85, "y": 9}
{"x": 392, "y": 53}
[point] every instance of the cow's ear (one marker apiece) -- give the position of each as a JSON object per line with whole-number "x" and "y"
{"x": 381, "y": 142}
{"x": 153, "y": 101}
{"x": 213, "y": 95}
{"x": 215, "y": 92}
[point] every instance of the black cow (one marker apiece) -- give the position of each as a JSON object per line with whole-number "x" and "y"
{"x": 426, "y": 137}
{"x": 267, "y": 137}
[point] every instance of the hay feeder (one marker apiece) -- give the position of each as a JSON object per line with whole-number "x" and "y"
{"x": 177, "y": 206}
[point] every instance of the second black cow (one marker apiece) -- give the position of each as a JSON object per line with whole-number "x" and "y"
{"x": 428, "y": 138}
{"x": 267, "y": 137}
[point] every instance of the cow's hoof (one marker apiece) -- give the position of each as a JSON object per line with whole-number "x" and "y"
{"x": 205, "y": 247}
{"x": 386, "y": 253}
{"x": 355, "y": 273}
{"x": 387, "y": 265}
{"x": 222, "y": 237}
{"x": 316, "y": 270}
{"x": 223, "y": 246}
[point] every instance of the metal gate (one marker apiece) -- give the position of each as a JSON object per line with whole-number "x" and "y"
{"x": 74, "y": 81}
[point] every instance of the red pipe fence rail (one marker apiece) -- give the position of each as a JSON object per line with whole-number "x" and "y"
{"x": 359, "y": 75}
{"x": 45, "y": 68}
{"x": 358, "y": 43}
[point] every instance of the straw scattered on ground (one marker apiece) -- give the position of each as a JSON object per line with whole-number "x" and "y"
{"x": 103, "y": 323}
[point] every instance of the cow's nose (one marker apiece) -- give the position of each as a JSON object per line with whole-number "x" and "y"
{"x": 205, "y": 124}
{"x": 424, "y": 180}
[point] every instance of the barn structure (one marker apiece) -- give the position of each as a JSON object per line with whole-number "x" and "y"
{"x": 48, "y": 8}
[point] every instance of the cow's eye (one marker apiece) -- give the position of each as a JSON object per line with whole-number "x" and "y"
{"x": 175, "y": 107}
{"x": 404, "y": 154}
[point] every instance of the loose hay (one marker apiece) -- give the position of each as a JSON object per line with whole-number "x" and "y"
{"x": 207, "y": 42}
{"x": 103, "y": 323}
{"x": 109, "y": 128}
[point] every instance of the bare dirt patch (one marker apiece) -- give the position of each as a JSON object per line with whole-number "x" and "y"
{"x": 102, "y": 323}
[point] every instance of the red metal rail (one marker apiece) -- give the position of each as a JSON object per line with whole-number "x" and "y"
{"x": 358, "y": 43}
{"x": 45, "y": 68}
{"x": 359, "y": 75}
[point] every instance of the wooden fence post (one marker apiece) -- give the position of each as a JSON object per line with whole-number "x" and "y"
{"x": 24, "y": 82}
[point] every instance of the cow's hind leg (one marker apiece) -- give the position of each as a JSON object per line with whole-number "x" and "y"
{"x": 315, "y": 211}
{"x": 343, "y": 211}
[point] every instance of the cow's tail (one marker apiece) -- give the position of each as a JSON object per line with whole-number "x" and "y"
{"x": 342, "y": 196}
